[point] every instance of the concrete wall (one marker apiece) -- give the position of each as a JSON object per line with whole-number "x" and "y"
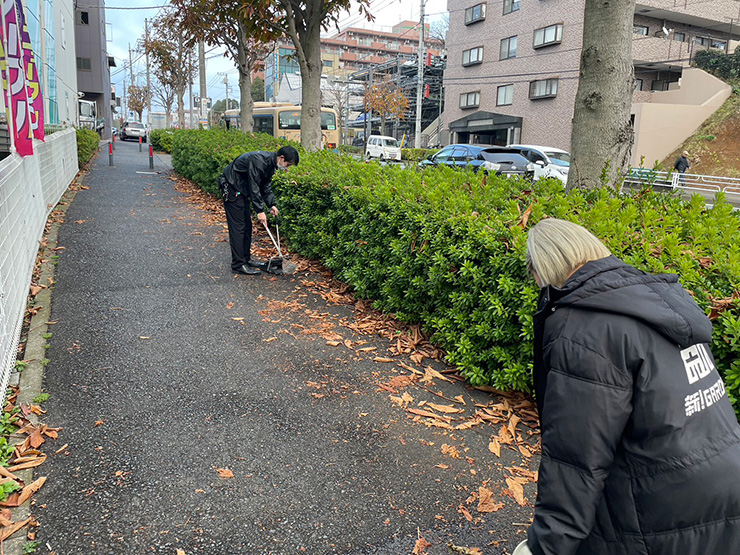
{"x": 672, "y": 116}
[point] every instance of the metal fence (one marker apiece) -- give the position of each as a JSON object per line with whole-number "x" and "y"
{"x": 30, "y": 187}
{"x": 687, "y": 181}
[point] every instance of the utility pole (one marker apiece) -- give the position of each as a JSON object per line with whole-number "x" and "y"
{"x": 203, "y": 109}
{"x": 226, "y": 82}
{"x": 191, "y": 104}
{"x": 420, "y": 78}
{"x": 368, "y": 110}
{"x": 131, "y": 69}
{"x": 148, "y": 82}
{"x": 125, "y": 105}
{"x": 346, "y": 112}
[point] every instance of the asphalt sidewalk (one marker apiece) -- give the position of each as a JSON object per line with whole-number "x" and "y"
{"x": 208, "y": 413}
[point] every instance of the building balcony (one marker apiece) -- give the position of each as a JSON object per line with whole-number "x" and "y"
{"x": 647, "y": 49}
{"x": 712, "y": 14}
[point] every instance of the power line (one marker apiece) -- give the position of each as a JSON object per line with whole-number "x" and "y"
{"x": 125, "y": 7}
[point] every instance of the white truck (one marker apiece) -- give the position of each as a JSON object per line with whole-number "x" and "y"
{"x": 86, "y": 111}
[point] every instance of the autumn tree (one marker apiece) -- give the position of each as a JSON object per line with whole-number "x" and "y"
{"x": 302, "y": 21}
{"x": 602, "y": 128}
{"x": 137, "y": 99}
{"x": 173, "y": 59}
{"x": 239, "y": 29}
{"x": 388, "y": 101}
{"x": 335, "y": 96}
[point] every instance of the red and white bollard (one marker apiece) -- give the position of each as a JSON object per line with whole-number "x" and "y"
{"x": 110, "y": 154}
{"x": 151, "y": 157}
{"x": 139, "y": 144}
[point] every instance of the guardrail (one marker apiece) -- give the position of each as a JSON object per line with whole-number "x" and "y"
{"x": 690, "y": 181}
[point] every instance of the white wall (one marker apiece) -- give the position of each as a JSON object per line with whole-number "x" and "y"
{"x": 30, "y": 187}
{"x": 66, "y": 60}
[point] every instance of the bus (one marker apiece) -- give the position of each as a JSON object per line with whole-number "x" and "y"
{"x": 284, "y": 121}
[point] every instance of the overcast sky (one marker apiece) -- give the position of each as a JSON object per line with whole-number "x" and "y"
{"x": 126, "y": 27}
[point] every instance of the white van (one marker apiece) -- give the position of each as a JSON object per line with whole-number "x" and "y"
{"x": 546, "y": 161}
{"x": 384, "y": 148}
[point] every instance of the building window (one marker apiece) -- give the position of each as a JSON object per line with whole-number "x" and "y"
{"x": 82, "y": 18}
{"x": 505, "y": 95}
{"x": 476, "y": 13}
{"x": 473, "y": 56}
{"x": 470, "y": 100}
{"x": 544, "y": 88}
{"x": 328, "y": 63}
{"x": 512, "y": 6}
{"x": 702, "y": 41}
{"x": 641, "y": 29}
{"x": 546, "y": 36}
{"x": 638, "y": 84}
{"x": 680, "y": 37}
{"x": 719, "y": 44}
{"x": 508, "y": 48}
{"x": 83, "y": 64}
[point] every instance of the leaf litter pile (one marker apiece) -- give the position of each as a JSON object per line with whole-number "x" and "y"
{"x": 25, "y": 454}
{"x": 409, "y": 371}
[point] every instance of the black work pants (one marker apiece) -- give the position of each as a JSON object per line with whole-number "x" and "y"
{"x": 239, "y": 219}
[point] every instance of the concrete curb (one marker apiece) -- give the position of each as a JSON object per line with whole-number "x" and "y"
{"x": 30, "y": 380}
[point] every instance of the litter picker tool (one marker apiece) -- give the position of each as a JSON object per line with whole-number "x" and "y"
{"x": 279, "y": 265}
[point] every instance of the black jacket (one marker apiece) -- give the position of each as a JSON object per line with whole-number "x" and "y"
{"x": 682, "y": 164}
{"x": 251, "y": 175}
{"x": 640, "y": 444}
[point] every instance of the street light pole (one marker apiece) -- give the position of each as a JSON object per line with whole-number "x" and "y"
{"x": 420, "y": 78}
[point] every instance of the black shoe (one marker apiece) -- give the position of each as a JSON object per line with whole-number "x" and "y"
{"x": 247, "y": 271}
{"x": 253, "y": 263}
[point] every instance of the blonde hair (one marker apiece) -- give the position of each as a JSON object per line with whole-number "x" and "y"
{"x": 555, "y": 248}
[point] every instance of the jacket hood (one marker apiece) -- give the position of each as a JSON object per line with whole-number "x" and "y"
{"x": 611, "y": 286}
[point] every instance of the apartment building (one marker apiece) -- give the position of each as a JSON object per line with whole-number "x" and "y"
{"x": 93, "y": 62}
{"x": 348, "y": 51}
{"x": 513, "y": 70}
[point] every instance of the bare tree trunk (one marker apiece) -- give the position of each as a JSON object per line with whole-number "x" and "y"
{"x": 181, "y": 107}
{"x": 602, "y": 131}
{"x": 311, "y": 68}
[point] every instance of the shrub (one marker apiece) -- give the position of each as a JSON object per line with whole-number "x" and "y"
{"x": 161, "y": 140}
{"x": 88, "y": 143}
{"x": 417, "y": 154}
{"x": 446, "y": 248}
{"x": 202, "y": 155}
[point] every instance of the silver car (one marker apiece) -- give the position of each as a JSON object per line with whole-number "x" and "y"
{"x": 133, "y": 130}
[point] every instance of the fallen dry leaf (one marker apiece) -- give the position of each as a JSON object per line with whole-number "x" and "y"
{"x": 447, "y": 409}
{"x": 30, "y": 489}
{"x": 333, "y": 343}
{"x": 463, "y": 511}
{"x": 269, "y": 339}
{"x": 450, "y": 451}
{"x": 6, "y": 532}
{"x": 486, "y": 502}
{"x": 421, "y": 546}
{"x": 495, "y": 447}
{"x": 225, "y": 473}
{"x": 383, "y": 359}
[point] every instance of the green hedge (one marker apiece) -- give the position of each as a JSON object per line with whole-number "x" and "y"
{"x": 202, "y": 155}
{"x": 417, "y": 154}
{"x": 88, "y": 143}
{"x": 161, "y": 140}
{"x": 716, "y": 62}
{"x": 446, "y": 248}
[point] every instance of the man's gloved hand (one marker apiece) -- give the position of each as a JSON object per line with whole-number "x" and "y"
{"x": 262, "y": 217}
{"x": 522, "y": 549}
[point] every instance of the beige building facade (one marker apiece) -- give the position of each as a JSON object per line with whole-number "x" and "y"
{"x": 513, "y": 69}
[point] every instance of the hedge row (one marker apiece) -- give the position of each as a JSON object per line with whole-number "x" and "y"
{"x": 417, "y": 154}
{"x": 202, "y": 155}
{"x": 88, "y": 143}
{"x": 446, "y": 248}
{"x": 161, "y": 140}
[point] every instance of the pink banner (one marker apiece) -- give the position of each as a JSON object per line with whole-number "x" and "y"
{"x": 14, "y": 78}
{"x": 33, "y": 87}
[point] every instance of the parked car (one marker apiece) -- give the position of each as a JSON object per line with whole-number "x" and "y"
{"x": 358, "y": 141}
{"x": 493, "y": 159}
{"x": 383, "y": 148}
{"x": 547, "y": 161}
{"x": 133, "y": 130}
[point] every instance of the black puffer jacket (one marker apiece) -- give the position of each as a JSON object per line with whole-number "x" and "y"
{"x": 251, "y": 175}
{"x": 640, "y": 445}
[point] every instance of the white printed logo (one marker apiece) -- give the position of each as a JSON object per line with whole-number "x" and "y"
{"x": 697, "y": 361}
